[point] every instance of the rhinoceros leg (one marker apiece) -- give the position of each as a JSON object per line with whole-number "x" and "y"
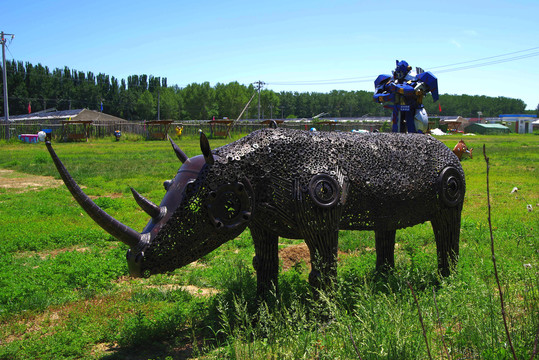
{"x": 323, "y": 250}
{"x": 446, "y": 226}
{"x": 385, "y": 249}
{"x": 266, "y": 260}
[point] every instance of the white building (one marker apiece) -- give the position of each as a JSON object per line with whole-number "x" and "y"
{"x": 519, "y": 123}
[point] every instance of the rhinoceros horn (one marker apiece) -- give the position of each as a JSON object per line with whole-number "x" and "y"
{"x": 179, "y": 153}
{"x": 120, "y": 231}
{"x": 156, "y": 212}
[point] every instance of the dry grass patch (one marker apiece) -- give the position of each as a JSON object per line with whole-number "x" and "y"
{"x": 18, "y": 182}
{"x": 127, "y": 282}
{"x": 55, "y": 318}
{"x": 295, "y": 254}
{"x": 44, "y": 255}
{"x": 111, "y": 196}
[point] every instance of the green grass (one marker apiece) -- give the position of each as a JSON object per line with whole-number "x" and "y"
{"x": 65, "y": 290}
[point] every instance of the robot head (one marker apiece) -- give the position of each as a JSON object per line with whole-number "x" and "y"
{"x": 402, "y": 69}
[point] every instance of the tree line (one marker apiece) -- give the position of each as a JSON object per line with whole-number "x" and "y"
{"x": 140, "y": 97}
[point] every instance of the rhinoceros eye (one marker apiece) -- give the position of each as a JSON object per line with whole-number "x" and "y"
{"x": 167, "y": 184}
{"x": 190, "y": 187}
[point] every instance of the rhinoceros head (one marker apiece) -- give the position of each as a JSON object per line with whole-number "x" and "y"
{"x": 198, "y": 213}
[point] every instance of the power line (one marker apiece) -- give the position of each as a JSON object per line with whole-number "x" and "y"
{"x": 489, "y": 63}
{"x": 318, "y": 82}
{"x": 455, "y": 68}
{"x": 485, "y": 58}
{"x": 459, "y": 66}
{"x": 464, "y": 65}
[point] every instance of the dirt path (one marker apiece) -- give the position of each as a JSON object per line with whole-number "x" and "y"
{"x": 19, "y": 182}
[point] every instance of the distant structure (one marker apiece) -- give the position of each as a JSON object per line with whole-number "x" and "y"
{"x": 520, "y": 123}
{"x": 57, "y": 116}
{"x": 487, "y": 129}
{"x": 65, "y": 124}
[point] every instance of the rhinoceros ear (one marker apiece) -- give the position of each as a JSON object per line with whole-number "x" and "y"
{"x": 206, "y": 150}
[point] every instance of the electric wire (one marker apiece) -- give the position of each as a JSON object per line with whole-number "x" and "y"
{"x": 78, "y": 77}
{"x": 451, "y": 68}
{"x": 485, "y": 58}
{"x": 348, "y": 80}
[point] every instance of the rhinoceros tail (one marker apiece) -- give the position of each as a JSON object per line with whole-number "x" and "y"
{"x": 120, "y": 231}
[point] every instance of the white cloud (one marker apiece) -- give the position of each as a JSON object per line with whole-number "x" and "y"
{"x": 471, "y": 33}
{"x": 456, "y": 43}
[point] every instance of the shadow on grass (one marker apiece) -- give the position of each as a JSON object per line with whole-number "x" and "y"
{"x": 193, "y": 327}
{"x": 185, "y": 327}
{"x": 391, "y": 281}
{"x": 156, "y": 351}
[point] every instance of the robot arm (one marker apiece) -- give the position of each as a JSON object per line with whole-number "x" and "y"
{"x": 428, "y": 83}
{"x": 381, "y": 80}
{"x": 386, "y": 88}
{"x": 381, "y": 91}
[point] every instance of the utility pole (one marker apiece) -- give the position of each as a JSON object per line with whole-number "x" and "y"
{"x": 259, "y": 83}
{"x": 4, "y": 74}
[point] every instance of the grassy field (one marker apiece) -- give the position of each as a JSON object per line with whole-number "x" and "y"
{"x": 65, "y": 291}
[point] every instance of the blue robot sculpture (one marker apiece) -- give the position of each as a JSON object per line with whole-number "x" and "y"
{"x": 406, "y": 89}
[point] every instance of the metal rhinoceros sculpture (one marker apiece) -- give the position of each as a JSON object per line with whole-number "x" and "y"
{"x": 295, "y": 184}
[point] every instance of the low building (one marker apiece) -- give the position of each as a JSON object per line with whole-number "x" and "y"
{"x": 55, "y": 117}
{"x": 457, "y": 124}
{"x": 487, "y": 129}
{"x": 519, "y": 123}
{"x": 54, "y": 123}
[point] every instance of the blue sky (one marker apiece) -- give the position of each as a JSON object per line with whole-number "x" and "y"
{"x": 305, "y": 46}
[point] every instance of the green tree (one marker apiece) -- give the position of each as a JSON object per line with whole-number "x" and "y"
{"x": 146, "y": 106}
{"x": 231, "y": 98}
{"x": 17, "y": 91}
{"x": 68, "y": 88}
{"x": 128, "y": 101}
{"x": 288, "y": 103}
{"x": 113, "y": 98}
{"x": 168, "y": 104}
{"x": 269, "y": 103}
{"x": 199, "y": 101}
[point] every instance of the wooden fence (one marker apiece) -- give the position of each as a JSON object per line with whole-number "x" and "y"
{"x": 190, "y": 128}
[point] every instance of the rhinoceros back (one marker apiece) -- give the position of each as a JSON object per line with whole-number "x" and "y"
{"x": 386, "y": 180}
